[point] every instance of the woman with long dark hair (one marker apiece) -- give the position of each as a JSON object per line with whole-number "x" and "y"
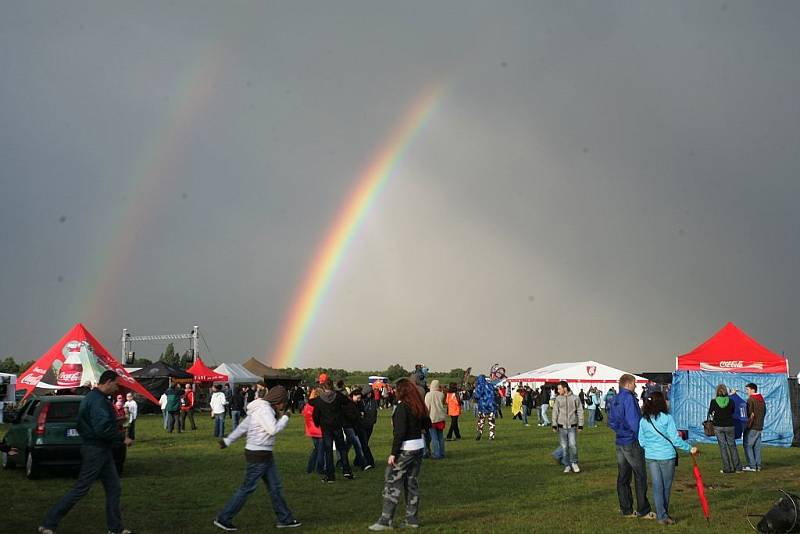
{"x": 720, "y": 411}
{"x": 410, "y": 418}
{"x": 660, "y": 440}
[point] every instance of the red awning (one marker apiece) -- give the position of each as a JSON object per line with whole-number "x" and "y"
{"x": 202, "y": 373}
{"x": 733, "y": 351}
{"x": 86, "y": 355}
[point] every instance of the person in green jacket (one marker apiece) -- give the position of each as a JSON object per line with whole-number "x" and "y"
{"x": 99, "y": 430}
{"x": 173, "y": 394}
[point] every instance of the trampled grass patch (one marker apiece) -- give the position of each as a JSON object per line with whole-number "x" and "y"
{"x": 177, "y": 483}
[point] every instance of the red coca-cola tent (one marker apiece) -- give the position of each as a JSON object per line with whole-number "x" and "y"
{"x": 202, "y": 373}
{"x": 731, "y": 350}
{"x": 76, "y": 360}
{"x": 733, "y": 359}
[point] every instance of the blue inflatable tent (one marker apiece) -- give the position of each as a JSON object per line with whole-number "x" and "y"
{"x": 733, "y": 358}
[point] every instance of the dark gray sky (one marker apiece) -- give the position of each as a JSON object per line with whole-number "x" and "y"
{"x": 601, "y": 180}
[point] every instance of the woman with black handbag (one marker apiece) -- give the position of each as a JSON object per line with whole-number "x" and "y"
{"x": 660, "y": 440}
{"x": 720, "y": 411}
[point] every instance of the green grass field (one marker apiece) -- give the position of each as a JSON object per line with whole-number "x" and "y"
{"x": 177, "y": 483}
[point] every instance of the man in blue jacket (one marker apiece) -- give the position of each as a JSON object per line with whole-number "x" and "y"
{"x": 623, "y": 419}
{"x": 99, "y": 430}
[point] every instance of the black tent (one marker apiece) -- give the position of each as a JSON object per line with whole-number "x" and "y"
{"x": 794, "y": 398}
{"x": 271, "y": 376}
{"x": 155, "y": 378}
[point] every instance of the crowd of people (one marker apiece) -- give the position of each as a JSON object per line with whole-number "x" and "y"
{"x": 340, "y": 419}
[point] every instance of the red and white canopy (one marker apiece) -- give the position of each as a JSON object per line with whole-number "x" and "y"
{"x": 78, "y": 359}
{"x": 202, "y": 373}
{"x": 731, "y": 350}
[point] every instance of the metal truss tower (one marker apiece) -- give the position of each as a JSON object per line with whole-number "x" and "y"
{"x": 128, "y": 340}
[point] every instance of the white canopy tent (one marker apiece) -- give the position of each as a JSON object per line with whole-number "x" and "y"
{"x": 237, "y": 374}
{"x": 578, "y": 374}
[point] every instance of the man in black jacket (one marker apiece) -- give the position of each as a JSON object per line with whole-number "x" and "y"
{"x": 328, "y": 408}
{"x": 354, "y": 432}
{"x": 369, "y": 413}
{"x": 99, "y": 429}
{"x": 237, "y": 405}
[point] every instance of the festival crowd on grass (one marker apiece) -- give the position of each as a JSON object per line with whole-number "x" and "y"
{"x": 338, "y": 418}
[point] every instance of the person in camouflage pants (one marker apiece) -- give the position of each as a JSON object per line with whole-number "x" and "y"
{"x": 409, "y": 420}
{"x": 403, "y": 476}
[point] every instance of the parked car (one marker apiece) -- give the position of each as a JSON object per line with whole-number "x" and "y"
{"x": 45, "y": 433}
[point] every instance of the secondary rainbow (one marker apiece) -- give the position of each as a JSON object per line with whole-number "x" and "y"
{"x": 151, "y": 183}
{"x": 329, "y": 255}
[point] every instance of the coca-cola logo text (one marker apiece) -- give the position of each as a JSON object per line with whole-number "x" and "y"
{"x": 69, "y": 377}
{"x": 31, "y": 379}
{"x": 731, "y": 363}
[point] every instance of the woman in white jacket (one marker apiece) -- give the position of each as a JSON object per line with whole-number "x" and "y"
{"x": 434, "y": 402}
{"x": 266, "y": 416}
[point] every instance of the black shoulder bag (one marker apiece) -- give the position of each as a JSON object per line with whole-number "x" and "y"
{"x": 666, "y": 438}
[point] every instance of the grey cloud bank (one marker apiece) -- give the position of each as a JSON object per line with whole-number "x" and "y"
{"x": 606, "y": 180}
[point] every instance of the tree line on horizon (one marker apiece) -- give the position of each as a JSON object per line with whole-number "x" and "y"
{"x": 308, "y": 374}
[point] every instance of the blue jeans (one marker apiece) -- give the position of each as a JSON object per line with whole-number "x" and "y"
{"x": 329, "y": 437}
{"x": 353, "y": 441}
{"x": 437, "y": 443}
{"x": 568, "y": 437}
{"x": 524, "y": 415}
{"x": 661, "y": 473}
{"x": 630, "y": 464}
{"x": 752, "y": 447}
{"x": 219, "y": 425}
{"x": 559, "y": 456}
{"x": 592, "y": 420}
{"x": 268, "y": 472}
{"x": 543, "y": 415}
{"x": 363, "y": 437}
{"x": 97, "y": 463}
{"x": 727, "y": 449}
{"x": 165, "y": 418}
{"x": 316, "y": 460}
{"x": 236, "y": 415}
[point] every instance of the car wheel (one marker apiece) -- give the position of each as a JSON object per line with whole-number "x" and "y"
{"x": 31, "y": 466}
{"x": 6, "y": 461}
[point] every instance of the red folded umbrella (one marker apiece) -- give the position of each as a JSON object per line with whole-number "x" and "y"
{"x": 701, "y": 490}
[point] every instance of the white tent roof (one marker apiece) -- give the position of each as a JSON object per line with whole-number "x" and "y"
{"x": 237, "y": 374}
{"x": 541, "y": 371}
{"x": 588, "y": 372}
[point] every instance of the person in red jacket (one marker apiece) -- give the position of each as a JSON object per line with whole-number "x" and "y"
{"x": 187, "y": 407}
{"x": 316, "y": 459}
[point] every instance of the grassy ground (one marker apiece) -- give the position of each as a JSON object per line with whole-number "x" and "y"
{"x": 176, "y": 484}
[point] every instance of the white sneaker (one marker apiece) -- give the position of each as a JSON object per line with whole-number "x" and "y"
{"x": 575, "y": 468}
{"x": 567, "y": 469}
{"x": 380, "y": 526}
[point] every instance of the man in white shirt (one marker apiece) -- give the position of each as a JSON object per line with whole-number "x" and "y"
{"x": 261, "y": 425}
{"x": 218, "y": 404}
{"x": 132, "y": 409}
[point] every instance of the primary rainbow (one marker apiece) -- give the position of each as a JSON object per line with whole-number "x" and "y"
{"x": 345, "y": 226}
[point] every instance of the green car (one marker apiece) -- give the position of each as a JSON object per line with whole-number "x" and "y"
{"x": 45, "y": 433}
